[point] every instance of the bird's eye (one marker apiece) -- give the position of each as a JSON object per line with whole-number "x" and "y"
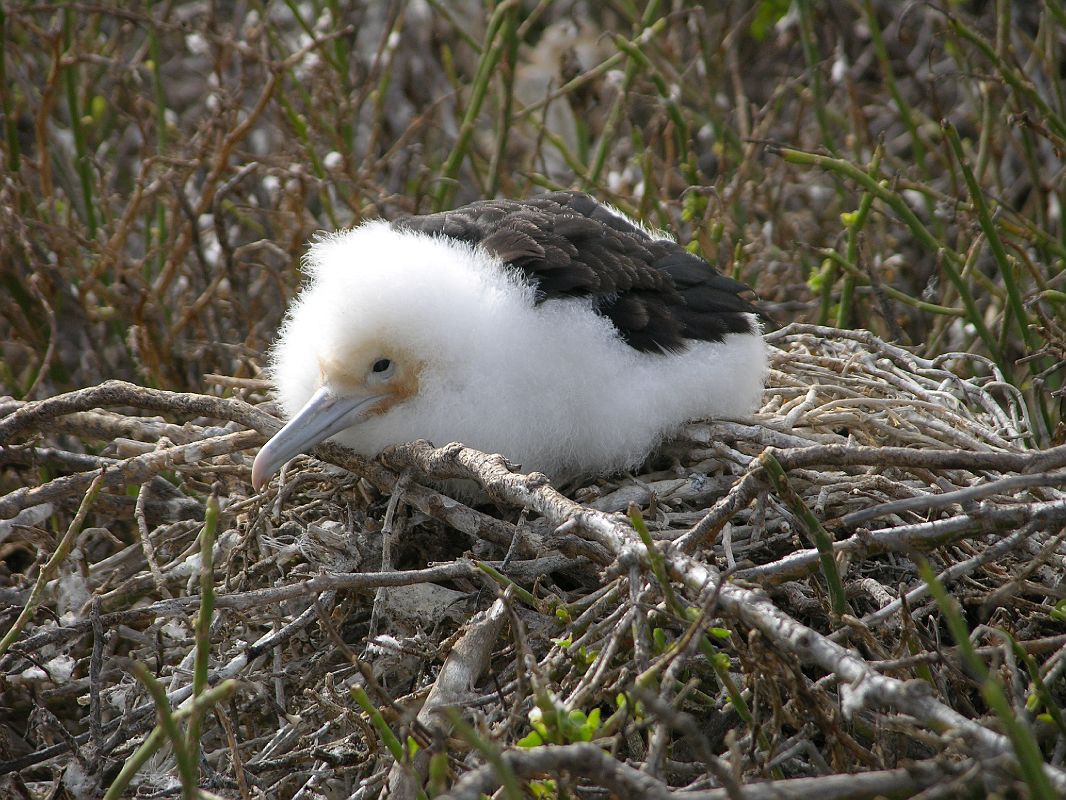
{"x": 382, "y": 365}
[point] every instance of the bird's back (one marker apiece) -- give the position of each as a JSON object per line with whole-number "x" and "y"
{"x": 656, "y": 293}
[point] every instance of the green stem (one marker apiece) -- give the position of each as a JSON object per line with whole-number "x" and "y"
{"x": 812, "y": 527}
{"x": 995, "y": 244}
{"x": 923, "y": 305}
{"x": 949, "y": 258}
{"x": 50, "y": 568}
{"x": 81, "y": 156}
{"x": 508, "y": 779}
{"x": 1014, "y": 78}
{"x": 380, "y": 725}
{"x": 11, "y": 131}
{"x": 154, "y": 740}
{"x": 506, "y": 118}
{"x": 522, "y": 594}
{"x": 188, "y": 770}
{"x": 655, "y": 558}
{"x": 855, "y": 225}
{"x": 813, "y": 59}
{"x": 651, "y": 11}
{"x": 503, "y": 18}
{"x": 1026, "y": 749}
{"x": 154, "y": 53}
{"x": 202, "y": 658}
{"x": 905, "y": 113}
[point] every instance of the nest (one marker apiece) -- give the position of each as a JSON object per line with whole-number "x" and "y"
{"x": 757, "y": 613}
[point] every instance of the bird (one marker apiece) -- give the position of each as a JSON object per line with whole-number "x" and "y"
{"x": 555, "y": 331}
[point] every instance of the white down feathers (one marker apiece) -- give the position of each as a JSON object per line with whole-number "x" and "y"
{"x": 552, "y": 386}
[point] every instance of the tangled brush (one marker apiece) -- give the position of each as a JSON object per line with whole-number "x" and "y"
{"x": 857, "y": 593}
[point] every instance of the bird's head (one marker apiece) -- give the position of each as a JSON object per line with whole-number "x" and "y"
{"x": 378, "y": 342}
{"x": 367, "y": 382}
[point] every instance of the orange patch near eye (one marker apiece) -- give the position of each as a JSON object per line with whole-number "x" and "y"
{"x": 403, "y": 386}
{"x": 340, "y": 376}
{"x": 350, "y": 377}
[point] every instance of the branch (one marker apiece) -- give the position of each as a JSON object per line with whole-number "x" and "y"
{"x": 862, "y": 687}
{"x": 120, "y": 393}
{"x": 583, "y": 760}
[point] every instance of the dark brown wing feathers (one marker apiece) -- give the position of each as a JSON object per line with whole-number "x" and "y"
{"x": 568, "y": 245}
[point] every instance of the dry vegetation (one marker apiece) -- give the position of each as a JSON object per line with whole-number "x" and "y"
{"x": 858, "y": 594}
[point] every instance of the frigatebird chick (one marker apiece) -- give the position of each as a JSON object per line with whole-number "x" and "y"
{"x": 555, "y": 331}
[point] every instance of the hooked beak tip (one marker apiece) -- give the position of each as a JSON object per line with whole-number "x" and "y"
{"x": 324, "y": 415}
{"x": 260, "y": 473}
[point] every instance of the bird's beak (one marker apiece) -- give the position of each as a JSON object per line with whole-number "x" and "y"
{"x": 324, "y": 415}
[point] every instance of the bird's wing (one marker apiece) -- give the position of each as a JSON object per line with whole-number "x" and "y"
{"x": 567, "y": 244}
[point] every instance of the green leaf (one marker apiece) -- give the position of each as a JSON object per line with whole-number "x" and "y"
{"x": 97, "y": 107}
{"x": 816, "y": 280}
{"x": 544, "y": 789}
{"x": 767, "y": 14}
{"x": 1058, "y": 613}
{"x": 531, "y": 739}
{"x": 574, "y": 726}
{"x": 591, "y": 726}
{"x": 536, "y": 719}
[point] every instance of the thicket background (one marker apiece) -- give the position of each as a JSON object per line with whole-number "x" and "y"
{"x": 864, "y": 164}
{"x": 165, "y": 167}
